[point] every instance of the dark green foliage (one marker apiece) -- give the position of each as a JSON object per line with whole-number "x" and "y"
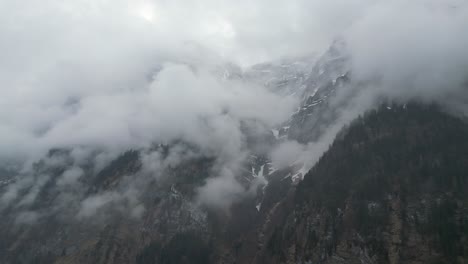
{"x": 126, "y": 164}
{"x": 276, "y": 189}
{"x": 369, "y": 218}
{"x": 442, "y": 224}
{"x": 403, "y": 152}
{"x": 186, "y": 248}
{"x": 412, "y": 148}
{"x": 150, "y": 254}
{"x": 274, "y": 244}
{"x": 189, "y": 174}
{"x": 183, "y": 248}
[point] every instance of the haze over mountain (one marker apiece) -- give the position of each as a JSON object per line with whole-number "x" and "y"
{"x": 155, "y": 131}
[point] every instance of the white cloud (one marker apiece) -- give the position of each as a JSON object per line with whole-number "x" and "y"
{"x": 121, "y": 74}
{"x": 70, "y": 176}
{"x": 286, "y": 154}
{"x": 221, "y": 191}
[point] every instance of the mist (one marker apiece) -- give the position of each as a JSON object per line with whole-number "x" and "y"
{"x": 108, "y": 76}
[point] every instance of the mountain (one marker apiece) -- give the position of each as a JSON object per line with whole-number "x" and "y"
{"x": 312, "y": 80}
{"x": 389, "y": 189}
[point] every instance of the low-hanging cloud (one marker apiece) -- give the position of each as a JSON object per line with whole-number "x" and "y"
{"x": 117, "y": 75}
{"x": 398, "y": 51}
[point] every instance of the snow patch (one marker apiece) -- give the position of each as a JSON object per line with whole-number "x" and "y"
{"x": 260, "y": 172}
{"x": 275, "y": 133}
